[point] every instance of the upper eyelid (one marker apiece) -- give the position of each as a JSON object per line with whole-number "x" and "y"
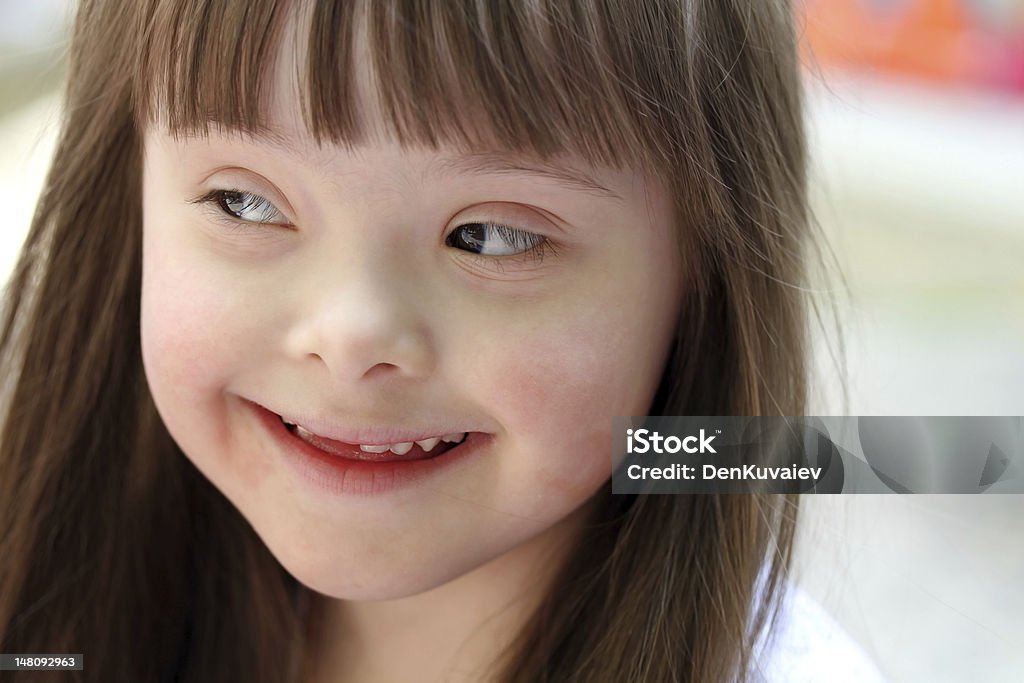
{"x": 524, "y": 218}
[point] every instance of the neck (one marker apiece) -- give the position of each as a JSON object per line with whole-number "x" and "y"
{"x": 452, "y": 633}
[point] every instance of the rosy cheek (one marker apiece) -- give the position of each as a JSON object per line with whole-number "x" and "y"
{"x": 177, "y": 343}
{"x": 537, "y": 387}
{"x": 188, "y": 354}
{"x": 196, "y": 314}
{"x": 551, "y": 393}
{"x": 578, "y": 467}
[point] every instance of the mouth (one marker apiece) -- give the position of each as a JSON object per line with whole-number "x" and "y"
{"x": 422, "y": 449}
{"x": 342, "y": 468}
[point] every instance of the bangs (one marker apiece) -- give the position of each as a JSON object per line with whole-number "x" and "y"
{"x": 541, "y": 77}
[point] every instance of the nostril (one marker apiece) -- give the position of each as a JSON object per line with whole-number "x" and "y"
{"x": 381, "y": 368}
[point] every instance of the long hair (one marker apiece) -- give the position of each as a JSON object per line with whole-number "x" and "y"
{"x": 115, "y": 546}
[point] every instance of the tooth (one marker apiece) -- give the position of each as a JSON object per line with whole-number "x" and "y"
{"x": 401, "y": 448}
{"x": 428, "y": 444}
{"x": 452, "y": 438}
{"x": 302, "y": 433}
{"x": 373, "y": 449}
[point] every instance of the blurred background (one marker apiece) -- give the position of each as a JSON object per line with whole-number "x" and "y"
{"x": 916, "y": 118}
{"x": 915, "y": 111}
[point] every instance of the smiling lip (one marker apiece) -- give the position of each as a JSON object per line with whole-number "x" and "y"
{"x": 369, "y": 436}
{"x": 342, "y": 449}
{"x": 348, "y": 470}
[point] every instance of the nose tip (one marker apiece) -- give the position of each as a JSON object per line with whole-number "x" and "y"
{"x": 351, "y": 363}
{"x": 388, "y": 343}
{"x": 364, "y": 312}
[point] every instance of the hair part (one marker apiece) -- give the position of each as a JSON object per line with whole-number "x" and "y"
{"x": 100, "y": 512}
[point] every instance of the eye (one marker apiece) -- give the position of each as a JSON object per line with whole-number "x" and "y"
{"x": 491, "y": 239}
{"x": 245, "y": 206}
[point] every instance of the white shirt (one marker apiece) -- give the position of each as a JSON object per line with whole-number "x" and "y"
{"x": 809, "y": 646}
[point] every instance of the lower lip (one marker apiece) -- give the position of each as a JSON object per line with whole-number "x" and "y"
{"x": 345, "y": 476}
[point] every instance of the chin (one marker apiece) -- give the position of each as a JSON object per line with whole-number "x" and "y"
{"x": 352, "y": 579}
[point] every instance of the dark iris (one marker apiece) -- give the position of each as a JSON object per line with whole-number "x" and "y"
{"x": 475, "y": 236}
{"x": 235, "y": 204}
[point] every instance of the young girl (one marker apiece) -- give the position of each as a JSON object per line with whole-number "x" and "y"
{"x": 311, "y": 355}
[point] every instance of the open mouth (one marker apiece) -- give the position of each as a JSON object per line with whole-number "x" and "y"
{"x": 403, "y": 451}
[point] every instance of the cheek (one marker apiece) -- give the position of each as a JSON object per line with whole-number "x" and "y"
{"x": 198, "y": 320}
{"x": 192, "y": 336}
{"x": 179, "y": 366}
{"x": 194, "y": 326}
{"x": 177, "y": 324}
{"x": 556, "y": 389}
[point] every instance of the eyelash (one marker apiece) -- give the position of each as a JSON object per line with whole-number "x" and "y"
{"x": 535, "y": 246}
{"x": 217, "y": 200}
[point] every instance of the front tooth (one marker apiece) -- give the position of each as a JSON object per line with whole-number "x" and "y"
{"x": 428, "y": 444}
{"x": 302, "y": 433}
{"x": 453, "y": 438}
{"x": 374, "y": 449}
{"x": 401, "y": 448}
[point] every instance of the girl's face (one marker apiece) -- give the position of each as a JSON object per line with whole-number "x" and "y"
{"x": 365, "y": 292}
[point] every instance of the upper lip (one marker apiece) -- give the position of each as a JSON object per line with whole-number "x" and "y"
{"x": 366, "y": 435}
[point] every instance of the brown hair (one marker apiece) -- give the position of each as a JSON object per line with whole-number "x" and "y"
{"x": 115, "y": 546}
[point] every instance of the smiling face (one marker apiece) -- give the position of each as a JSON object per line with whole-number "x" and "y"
{"x": 400, "y": 290}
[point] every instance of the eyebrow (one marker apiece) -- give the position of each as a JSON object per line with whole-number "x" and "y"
{"x": 498, "y": 164}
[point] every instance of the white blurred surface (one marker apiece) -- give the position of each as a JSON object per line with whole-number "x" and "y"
{"x": 27, "y": 140}
{"x": 932, "y": 587}
{"x": 809, "y": 646}
{"x": 954, "y": 156}
{"x": 922, "y": 196}
{"x": 32, "y": 24}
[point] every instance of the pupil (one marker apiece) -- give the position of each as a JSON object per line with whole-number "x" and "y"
{"x": 233, "y": 202}
{"x": 475, "y": 232}
{"x": 471, "y": 236}
{"x": 474, "y": 236}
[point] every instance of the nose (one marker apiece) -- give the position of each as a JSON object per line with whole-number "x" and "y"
{"x": 368, "y": 322}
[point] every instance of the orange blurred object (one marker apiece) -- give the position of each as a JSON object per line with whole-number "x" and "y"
{"x": 942, "y": 41}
